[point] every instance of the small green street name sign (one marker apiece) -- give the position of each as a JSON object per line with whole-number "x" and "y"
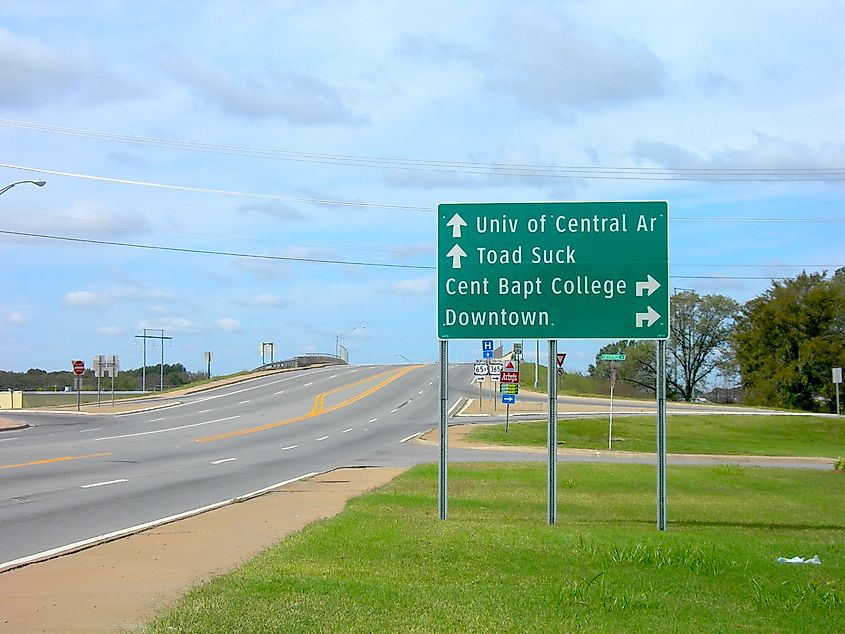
{"x": 581, "y": 270}
{"x": 612, "y": 357}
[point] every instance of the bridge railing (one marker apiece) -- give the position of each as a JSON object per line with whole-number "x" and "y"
{"x": 304, "y": 360}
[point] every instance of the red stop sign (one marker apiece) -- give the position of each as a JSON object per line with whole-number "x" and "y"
{"x": 78, "y": 367}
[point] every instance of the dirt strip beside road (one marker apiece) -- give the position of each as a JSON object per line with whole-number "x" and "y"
{"x": 114, "y": 587}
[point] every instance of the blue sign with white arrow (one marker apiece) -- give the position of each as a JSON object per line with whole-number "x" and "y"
{"x": 509, "y": 399}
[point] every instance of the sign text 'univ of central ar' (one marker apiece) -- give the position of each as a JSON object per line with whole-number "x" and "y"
{"x": 585, "y": 270}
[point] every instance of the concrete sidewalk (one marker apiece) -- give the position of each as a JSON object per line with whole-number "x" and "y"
{"x": 115, "y": 587}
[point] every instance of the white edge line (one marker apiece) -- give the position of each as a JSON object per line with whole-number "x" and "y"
{"x": 124, "y": 532}
{"x": 407, "y": 438}
{"x": 204, "y": 411}
{"x": 102, "y": 484}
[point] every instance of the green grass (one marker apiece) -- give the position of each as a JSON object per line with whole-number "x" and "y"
{"x": 387, "y": 564}
{"x": 575, "y": 384}
{"x": 708, "y": 434}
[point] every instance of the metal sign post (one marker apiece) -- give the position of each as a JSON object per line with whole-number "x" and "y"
{"x": 613, "y": 358}
{"x": 551, "y": 488}
{"x": 444, "y": 425}
{"x": 837, "y": 379}
{"x": 661, "y": 435}
{"x": 610, "y": 424}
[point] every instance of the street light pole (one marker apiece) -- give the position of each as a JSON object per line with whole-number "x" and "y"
{"x": 403, "y": 356}
{"x": 340, "y": 336}
{"x": 36, "y": 183}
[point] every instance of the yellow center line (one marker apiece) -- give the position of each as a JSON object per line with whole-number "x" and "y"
{"x": 51, "y": 460}
{"x": 319, "y": 405}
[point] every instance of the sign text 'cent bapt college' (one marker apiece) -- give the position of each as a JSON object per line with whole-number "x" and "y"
{"x": 585, "y": 270}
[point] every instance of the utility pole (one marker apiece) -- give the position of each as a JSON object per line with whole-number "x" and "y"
{"x": 161, "y": 338}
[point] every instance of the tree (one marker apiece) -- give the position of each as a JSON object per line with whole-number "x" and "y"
{"x": 699, "y": 343}
{"x": 637, "y": 369}
{"x": 788, "y": 339}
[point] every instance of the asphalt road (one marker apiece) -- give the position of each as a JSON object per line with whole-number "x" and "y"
{"x": 70, "y": 478}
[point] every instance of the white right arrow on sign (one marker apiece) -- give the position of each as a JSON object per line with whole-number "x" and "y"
{"x": 456, "y": 253}
{"x": 648, "y": 317}
{"x": 649, "y": 285}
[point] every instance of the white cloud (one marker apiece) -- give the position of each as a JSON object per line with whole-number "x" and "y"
{"x": 274, "y": 209}
{"x": 282, "y": 94}
{"x": 16, "y": 319}
{"x": 84, "y": 299}
{"x": 87, "y": 219}
{"x": 172, "y": 325}
{"x": 228, "y": 325}
{"x": 765, "y": 152}
{"x": 110, "y": 331}
{"x": 264, "y": 300}
{"x": 415, "y": 286}
{"x": 33, "y": 73}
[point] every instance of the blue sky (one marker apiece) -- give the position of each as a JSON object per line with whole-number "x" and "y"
{"x": 301, "y": 88}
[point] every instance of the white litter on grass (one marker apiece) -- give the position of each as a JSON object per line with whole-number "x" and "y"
{"x": 800, "y": 560}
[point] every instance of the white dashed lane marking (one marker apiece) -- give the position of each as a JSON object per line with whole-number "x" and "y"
{"x": 102, "y": 484}
{"x": 321, "y": 438}
{"x": 346, "y": 431}
{"x": 223, "y": 460}
{"x": 161, "y": 431}
{"x": 289, "y": 447}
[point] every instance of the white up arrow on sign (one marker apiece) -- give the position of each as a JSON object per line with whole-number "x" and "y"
{"x": 650, "y": 285}
{"x": 648, "y": 317}
{"x": 456, "y": 253}
{"x": 456, "y": 222}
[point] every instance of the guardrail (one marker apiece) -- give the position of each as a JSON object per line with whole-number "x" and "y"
{"x": 304, "y": 361}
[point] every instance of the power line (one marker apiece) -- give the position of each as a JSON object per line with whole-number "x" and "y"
{"x": 232, "y": 254}
{"x": 350, "y": 203}
{"x": 465, "y": 167}
{"x": 256, "y": 256}
{"x": 207, "y": 190}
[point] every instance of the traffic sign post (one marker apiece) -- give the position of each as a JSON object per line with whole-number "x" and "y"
{"x": 481, "y": 370}
{"x": 585, "y": 270}
{"x": 837, "y": 379}
{"x": 78, "y": 370}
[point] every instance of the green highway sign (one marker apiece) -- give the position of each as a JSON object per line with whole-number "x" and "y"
{"x": 581, "y": 270}
{"x": 611, "y": 357}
